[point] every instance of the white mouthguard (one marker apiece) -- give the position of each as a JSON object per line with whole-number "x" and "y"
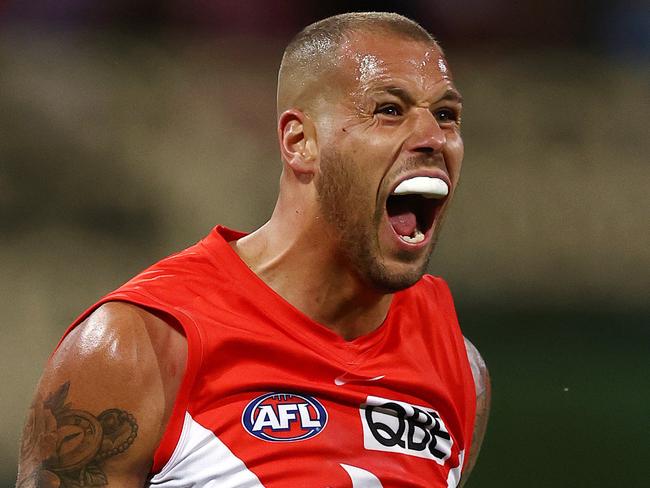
{"x": 423, "y": 185}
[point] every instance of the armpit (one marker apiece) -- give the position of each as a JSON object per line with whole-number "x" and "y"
{"x": 483, "y": 397}
{"x": 479, "y": 368}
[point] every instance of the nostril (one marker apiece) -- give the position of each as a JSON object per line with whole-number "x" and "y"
{"x": 425, "y": 150}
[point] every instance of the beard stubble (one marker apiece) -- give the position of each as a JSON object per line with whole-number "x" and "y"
{"x": 341, "y": 198}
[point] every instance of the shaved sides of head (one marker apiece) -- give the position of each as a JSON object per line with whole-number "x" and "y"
{"x": 313, "y": 52}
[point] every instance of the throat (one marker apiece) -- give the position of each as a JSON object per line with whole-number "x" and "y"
{"x": 355, "y": 318}
{"x": 314, "y": 284}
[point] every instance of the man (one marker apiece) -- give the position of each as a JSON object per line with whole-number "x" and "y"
{"x": 312, "y": 351}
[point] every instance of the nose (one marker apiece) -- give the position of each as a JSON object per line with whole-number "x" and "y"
{"x": 427, "y": 136}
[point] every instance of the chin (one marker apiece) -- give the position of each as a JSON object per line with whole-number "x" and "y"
{"x": 386, "y": 281}
{"x": 389, "y": 274}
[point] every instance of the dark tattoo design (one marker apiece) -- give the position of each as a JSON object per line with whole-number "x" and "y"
{"x": 72, "y": 444}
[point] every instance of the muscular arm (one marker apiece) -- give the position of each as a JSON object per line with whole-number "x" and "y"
{"x": 483, "y": 396}
{"x": 103, "y": 402}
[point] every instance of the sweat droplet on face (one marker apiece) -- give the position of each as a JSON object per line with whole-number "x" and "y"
{"x": 369, "y": 67}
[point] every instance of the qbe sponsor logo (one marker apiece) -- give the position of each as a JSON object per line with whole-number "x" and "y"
{"x": 284, "y": 417}
{"x": 394, "y": 426}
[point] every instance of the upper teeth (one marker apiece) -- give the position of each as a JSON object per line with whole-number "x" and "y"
{"x": 423, "y": 185}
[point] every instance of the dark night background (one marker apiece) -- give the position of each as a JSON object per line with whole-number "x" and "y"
{"x": 130, "y": 128}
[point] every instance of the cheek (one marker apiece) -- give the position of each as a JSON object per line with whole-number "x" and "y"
{"x": 454, "y": 152}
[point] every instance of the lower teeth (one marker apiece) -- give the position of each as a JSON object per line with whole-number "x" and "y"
{"x": 417, "y": 237}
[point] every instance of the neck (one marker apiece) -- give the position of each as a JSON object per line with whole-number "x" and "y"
{"x": 306, "y": 269}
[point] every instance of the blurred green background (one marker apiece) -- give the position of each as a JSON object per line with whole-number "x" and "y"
{"x": 129, "y": 129}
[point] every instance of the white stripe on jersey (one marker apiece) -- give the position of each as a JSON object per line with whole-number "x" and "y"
{"x": 362, "y": 478}
{"x": 200, "y": 459}
{"x": 454, "y": 474}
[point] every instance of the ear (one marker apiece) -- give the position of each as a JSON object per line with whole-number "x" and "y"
{"x": 298, "y": 144}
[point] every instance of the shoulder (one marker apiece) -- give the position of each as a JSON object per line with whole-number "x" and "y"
{"x": 435, "y": 287}
{"x": 483, "y": 398}
{"x": 116, "y": 374}
{"x": 431, "y": 281}
{"x": 122, "y": 338}
{"x": 480, "y": 371}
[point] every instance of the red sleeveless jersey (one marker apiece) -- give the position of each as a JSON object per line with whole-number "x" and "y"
{"x": 271, "y": 398}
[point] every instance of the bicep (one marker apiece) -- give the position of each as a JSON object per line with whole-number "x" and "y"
{"x": 483, "y": 397}
{"x": 100, "y": 406}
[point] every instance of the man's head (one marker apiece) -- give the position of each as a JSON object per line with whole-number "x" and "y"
{"x": 365, "y": 102}
{"x": 313, "y": 54}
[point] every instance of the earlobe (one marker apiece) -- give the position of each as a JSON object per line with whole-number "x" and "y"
{"x": 298, "y": 142}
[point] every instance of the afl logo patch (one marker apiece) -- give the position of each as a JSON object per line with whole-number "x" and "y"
{"x": 284, "y": 417}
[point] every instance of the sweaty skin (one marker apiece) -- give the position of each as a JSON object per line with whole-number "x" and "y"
{"x": 373, "y": 112}
{"x": 103, "y": 401}
{"x": 391, "y": 112}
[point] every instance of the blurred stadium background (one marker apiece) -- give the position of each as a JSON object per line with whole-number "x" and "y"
{"x": 129, "y": 128}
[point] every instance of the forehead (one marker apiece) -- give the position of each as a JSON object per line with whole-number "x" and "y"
{"x": 369, "y": 60}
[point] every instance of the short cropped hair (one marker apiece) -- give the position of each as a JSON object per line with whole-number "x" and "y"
{"x": 312, "y": 50}
{"x": 327, "y": 34}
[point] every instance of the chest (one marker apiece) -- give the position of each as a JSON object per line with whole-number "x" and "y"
{"x": 285, "y": 411}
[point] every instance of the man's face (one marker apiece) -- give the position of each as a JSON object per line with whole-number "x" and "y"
{"x": 393, "y": 116}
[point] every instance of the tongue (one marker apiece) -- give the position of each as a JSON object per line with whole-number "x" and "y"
{"x": 401, "y": 214}
{"x": 404, "y": 223}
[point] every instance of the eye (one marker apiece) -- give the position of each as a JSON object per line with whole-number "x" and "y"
{"x": 447, "y": 115}
{"x": 389, "y": 109}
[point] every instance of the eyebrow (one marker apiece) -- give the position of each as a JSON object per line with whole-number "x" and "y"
{"x": 451, "y": 95}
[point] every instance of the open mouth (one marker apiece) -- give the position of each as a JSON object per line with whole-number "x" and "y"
{"x": 412, "y": 207}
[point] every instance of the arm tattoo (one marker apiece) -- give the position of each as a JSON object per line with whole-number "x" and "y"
{"x": 68, "y": 446}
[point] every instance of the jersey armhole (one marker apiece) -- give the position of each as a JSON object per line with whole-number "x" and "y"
{"x": 174, "y": 426}
{"x": 449, "y": 311}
